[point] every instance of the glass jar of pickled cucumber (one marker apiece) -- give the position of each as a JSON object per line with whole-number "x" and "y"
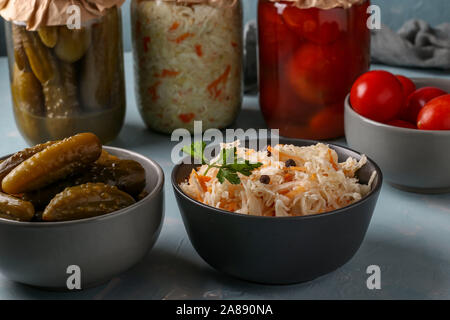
{"x": 65, "y": 80}
{"x": 188, "y": 58}
{"x": 310, "y": 53}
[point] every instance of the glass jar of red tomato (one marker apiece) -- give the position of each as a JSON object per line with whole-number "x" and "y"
{"x": 308, "y": 61}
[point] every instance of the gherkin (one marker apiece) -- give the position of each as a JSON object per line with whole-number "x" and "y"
{"x": 16, "y": 159}
{"x": 12, "y": 208}
{"x": 49, "y": 36}
{"x": 53, "y": 163}
{"x": 126, "y": 175}
{"x": 86, "y": 201}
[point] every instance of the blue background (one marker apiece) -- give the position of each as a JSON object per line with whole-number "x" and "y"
{"x": 394, "y": 14}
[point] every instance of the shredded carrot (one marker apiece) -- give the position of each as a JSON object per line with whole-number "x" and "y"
{"x": 291, "y": 194}
{"x": 186, "y": 117}
{"x": 199, "y": 50}
{"x": 284, "y": 191}
{"x": 174, "y": 26}
{"x": 183, "y": 37}
{"x": 167, "y": 73}
{"x": 228, "y": 205}
{"x": 147, "y": 41}
{"x": 300, "y": 169}
{"x": 202, "y": 180}
{"x": 232, "y": 206}
{"x": 269, "y": 213}
{"x": 313, "y": 177}
{"x": 234, "y": 44}
{"x": 153, "y": 91}
{"x": 232, "y": 190}
{"x": 288, "y": 177}
{"x": 215, "y": 88}
{"x": 330, "y": 156}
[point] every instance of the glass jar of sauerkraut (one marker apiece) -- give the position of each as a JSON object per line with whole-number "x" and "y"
{"x": 66, "y": 80}
{"x": 188, "y": 62}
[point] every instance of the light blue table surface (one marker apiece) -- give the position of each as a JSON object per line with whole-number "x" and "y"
{"x": 409, "y": 236}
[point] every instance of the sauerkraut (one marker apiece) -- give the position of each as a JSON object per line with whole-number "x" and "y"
{"x": 292, "y": 181}
{"x": 188, "y": 63}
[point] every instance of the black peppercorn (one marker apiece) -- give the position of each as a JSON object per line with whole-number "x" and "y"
{"x": 290, "y": 163}
{"x": 269, "y": 154}
{"x": 264, "y": 179}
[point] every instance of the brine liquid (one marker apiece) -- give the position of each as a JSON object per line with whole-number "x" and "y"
{"x": 308, "y": 61}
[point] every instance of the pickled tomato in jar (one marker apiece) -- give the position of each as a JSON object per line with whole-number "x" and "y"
{"x": 309, "y": 58}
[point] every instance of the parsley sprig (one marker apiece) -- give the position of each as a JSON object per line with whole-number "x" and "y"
{"x": 228, "y": 163}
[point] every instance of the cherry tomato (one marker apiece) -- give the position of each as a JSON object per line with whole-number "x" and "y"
{"x": 408, "y": 86}
{"x": 278, "y": 101}
{"x": 435, "y": 115}
{"x": 402, "y": 124}
{"x": 377, "y": 95}
{"x": 320, "y": 74}
{"x": 316, "y": 25}
{"x": 417, "y": 100}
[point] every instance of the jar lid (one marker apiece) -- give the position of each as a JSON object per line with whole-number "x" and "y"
{"x": 323, "y": 4}
{"x": 214, "y": 3}
{"x": 39, "y": 13}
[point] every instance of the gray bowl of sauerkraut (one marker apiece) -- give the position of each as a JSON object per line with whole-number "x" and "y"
{"x": 301, "y": 212}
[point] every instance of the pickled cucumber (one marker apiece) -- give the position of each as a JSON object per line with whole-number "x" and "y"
{"x": 27, "y": 92}
{"x": 20, "y": 56}
{"x": 15, "y": 209}
{"x": 58, "y": 80}
{"x": 53, "y": 163}
{"x": 49, "y": 36}
{"x": 41, "y": 198}
{"x": 142, "y": 195}
{"x": 41, "y": 59}
{"x": 16, "y": 159}
{"x": 85, "y": 201}
{"x": 101, "y": 75}
{"x": 105, "y": 157}
{"x": 61, "y": 94}
{"x": 72, "y": 44}
{"x": 61, "y": 102}
{"x": 127, "y": 175}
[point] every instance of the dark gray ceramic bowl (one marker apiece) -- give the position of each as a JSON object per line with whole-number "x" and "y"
{"x": 278, "y": 250}
{"x": 38, "y": 254}
{"x": 412, "y": 160}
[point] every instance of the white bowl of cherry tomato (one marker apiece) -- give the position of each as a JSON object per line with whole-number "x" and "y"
{"x": 404, "y": 125}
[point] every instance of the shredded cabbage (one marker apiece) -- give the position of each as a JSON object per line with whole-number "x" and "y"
{"x": 317, "y": 183}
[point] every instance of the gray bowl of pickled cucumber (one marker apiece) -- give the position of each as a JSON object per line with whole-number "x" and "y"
{"x": 74, "y": 214}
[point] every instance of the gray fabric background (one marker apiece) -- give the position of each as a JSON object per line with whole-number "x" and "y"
{"x": 416, "y": 44}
